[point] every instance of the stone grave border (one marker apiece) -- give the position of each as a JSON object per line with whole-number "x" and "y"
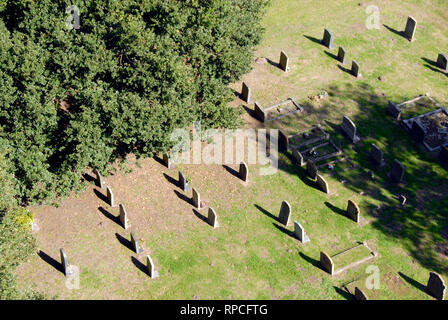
{"x": 338, "y": 152}
{"x": 284, "y": 139}
{"x": 261, "y": 112}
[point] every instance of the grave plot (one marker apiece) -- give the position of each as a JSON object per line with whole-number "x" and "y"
{"x": 277, "y": 111}
{"x": 412, "y": 108}
{"x": 302, "y": 138}
{"x": 317, "y": 152}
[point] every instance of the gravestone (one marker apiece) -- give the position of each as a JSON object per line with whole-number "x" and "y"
{"x": 311, "y": 169}
{"x": 417, "y": 131}
{"x": 245, "y": 92}
{"x": 167, "y": 161}
{"x": 134, "y": 242}
{"x": 298, "y": 157}
{"x": 402, "y": 198}
{"x": 244, "y": 171}
{"x": 360, "y": 295}
{"x": 284, "y": 61}
{"x": 110, "y": 197}
{"x": 123, "y": 217}
{"x": 300, "y": 233}
{"x": 436, "y": 286}
{"x": 258, "y": 110}
{"x": 285, "y": 213}
{"x": 196, "y": 198}
{"x": 341, "y": 55}
{"x": 64, "y": 262}
{"x": 355, "y": 69}
{"x": 411, "y": 26}
{"x": 212, "y": 218}
{"x": 183, "y": 183}
{"x": 328, "y": 39}
{"x": 442, "y": 61}
{"x": 151, "y": 269}
{"x": 322, "y": 183}
{"x": 99, "y": 179}
{"x": 377, "y": 155}
{"x": 326, "y": 262}
{"x": 283, "y": 141}
{"x": 393, "y": 110}
{"x": 349, "y": 129}
{"x": 353, "y": 211}
{"x": 397, "y": 172}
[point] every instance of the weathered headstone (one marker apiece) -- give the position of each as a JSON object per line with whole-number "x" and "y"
{"x": 134, "y": 242}
{"x": 283, "y": 141}
{"x": 183, "y": 183}
{"x": 285, "y": 213}
{"x": 110, "y": 197}
{"x": 284, "y": 61}
{"x": 326, "y": 262}
{"x": 341, "y": 55}
{"x": 377, "y": 155}
{"x": 311, "y": 169}
{"x": 196, "y": 198}
{"x": 397, "y": 172}
{"x": 322, "y": 183}
{"x": 298, "y": 157}
{"x": 244, "y": 171}
{"x": 442, "y": 61}
{"x": 64, "y": 262}
{"x": 167, "y": 161}
{"x": 260, "y": 114}
{"x": 360, "y": 295}
{"x": 355, "y": 71}
{"x": 436, "y": 286}
{"x": 353, "y": 211}
{"x": 212, "y": 218}
{"x": 393, "y": 110}
{"x": 328, "y": 39}
{"x": 245, "y": 92}
{"x": 151, "y": 268}
{"x": 411, "y": 26}
{"x": 99, "y": 179}
{"x": 417, "y": 131}
{"x": 123, "y": 216}
{"x": 300, "y": 233}
{"x": 349, "y": 129}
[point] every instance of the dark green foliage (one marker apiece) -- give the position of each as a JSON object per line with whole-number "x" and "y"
{"x": 133, "y": 72}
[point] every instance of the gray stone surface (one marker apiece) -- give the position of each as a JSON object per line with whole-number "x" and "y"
{"x": 123, "y": 216}
{"x": 360, "y": 295}
{"x": 353, "y": 211}
{"x": 284, "y": 61}
{"x": 311, "y": 169}
{"x": 411, "y": 26}
{"x": 300, "y": 233}
{"x": 135, "y": 245}
{"x": 244, "y": 171}
{"x": 298, "y": 157}
{"x": 212, "y": 218}
{"x": 151, "y": 268}
{"x": 436, "y": 286}
{"x": 322, "y": 183}
{"x": 110, "y": 197}
{"x": 442, "y": 61}
{"x": 393, "y": 110}
{"x": 377, "y": 155}
{"x": 341, "y": 55}
{"x": 397, "y": 172}
{"x": 355, "y": 71}
{"x": 64, "y": 262}
{"x": 183, "y": 183}
{"x": 326, "y": 262}
{"x": 285, "y": 213}
{"x": 349, "y": 129}
{"x": 328, "y": 39}
{"x": 245, "y": 92}
{"x": 100, "y": 182}
{"x": 167, "y": 161}
{"x": 196, "y": 199}
{"x": 259, "y": 113}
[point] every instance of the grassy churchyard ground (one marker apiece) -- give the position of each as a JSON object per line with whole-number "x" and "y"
{"x": 251, "y": 256}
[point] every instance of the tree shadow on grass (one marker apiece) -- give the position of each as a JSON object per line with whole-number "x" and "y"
{"x": 142, "y": 267}
{"x": 52, "y": 262}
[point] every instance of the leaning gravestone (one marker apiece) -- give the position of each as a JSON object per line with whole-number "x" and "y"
{"x": 123, "y": 216}
{"x": 417, "y": 131}
{"x": 196, "y": 198}
{"x": 134, "y": 242}
{"x": 244, "y": 171}
{"x": 284, "y": 61}
{"x": 110, "y": 197}
{"x": 151, "y": 269}
{"x": 212, "y": 218}
{"x": 349, "y": 129}
{"x": 436, "y": 286}
{"x": 394, "y": 110}
{"x": 245, "y": 92}
{"x": 360, "y": 295}
{"x": 99, "y": 179}
{"x": 64, "y": 262}
{"x": 411, "y": 26}
{"x": 442, "y": 61}
{"x": 328, "y": 39}
{"x": 300, "y": 233}
{"x": 285, "y": 213}
{"x": 355, "y": 69}
{"x": 377, "y": 155}
{"x": 322, "y": 183}
{"x": 341, "y": 55}
{"x": 311, "y": 169}
{"x": 183, "y": 183}
{"x": 326, "y": 262}
{"x": 353, "y": 211}
{"x": 397, "y": 172}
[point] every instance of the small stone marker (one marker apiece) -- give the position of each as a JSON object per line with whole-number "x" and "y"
{"x": 442, "y": 61}
{"x": 436, "y": 286}
{"x": 134, "y": 242}
{"x": 151, "y": 269}
{"x": 259, "y": 112}
{"x": 326, "y": 262}
{"x": 167, "y": 161}
{"x": 417, "y": 131}
{"x": 99, "y": 179}
{"x": 196, "y": 198}
{"x": 377, "y": 155}
{"x": 353, "y": 211}
{"x": 64, "y": 262}
{"x": 411, "y": 26}
{"x": 328, "y": 39}
{"x": 245, "y": 92}
{"x": 349, "y": 128}
{"x": 355, "y": 69}
{"x": 123, "y": 217}
{"x": 183, "y": 183}
{"x": 298, "y": 157}
{"x": 284, "y": 61}
{"x": 311, "y": 169}
{"x": 322, "y": 183}
{"x": 300, "y": 233}
{"x": 394, "y": 110}
{"x": 341, "y": 55}
{"x": 110, "y": 196}
{"x": 397, "y": 172}
{"x": 244, "y": 171}
{"x": 285, "y": 213}
{"x": 360, "y": 295}
{"x": 402, "y": 199}
{"x": 212, "y": 218}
